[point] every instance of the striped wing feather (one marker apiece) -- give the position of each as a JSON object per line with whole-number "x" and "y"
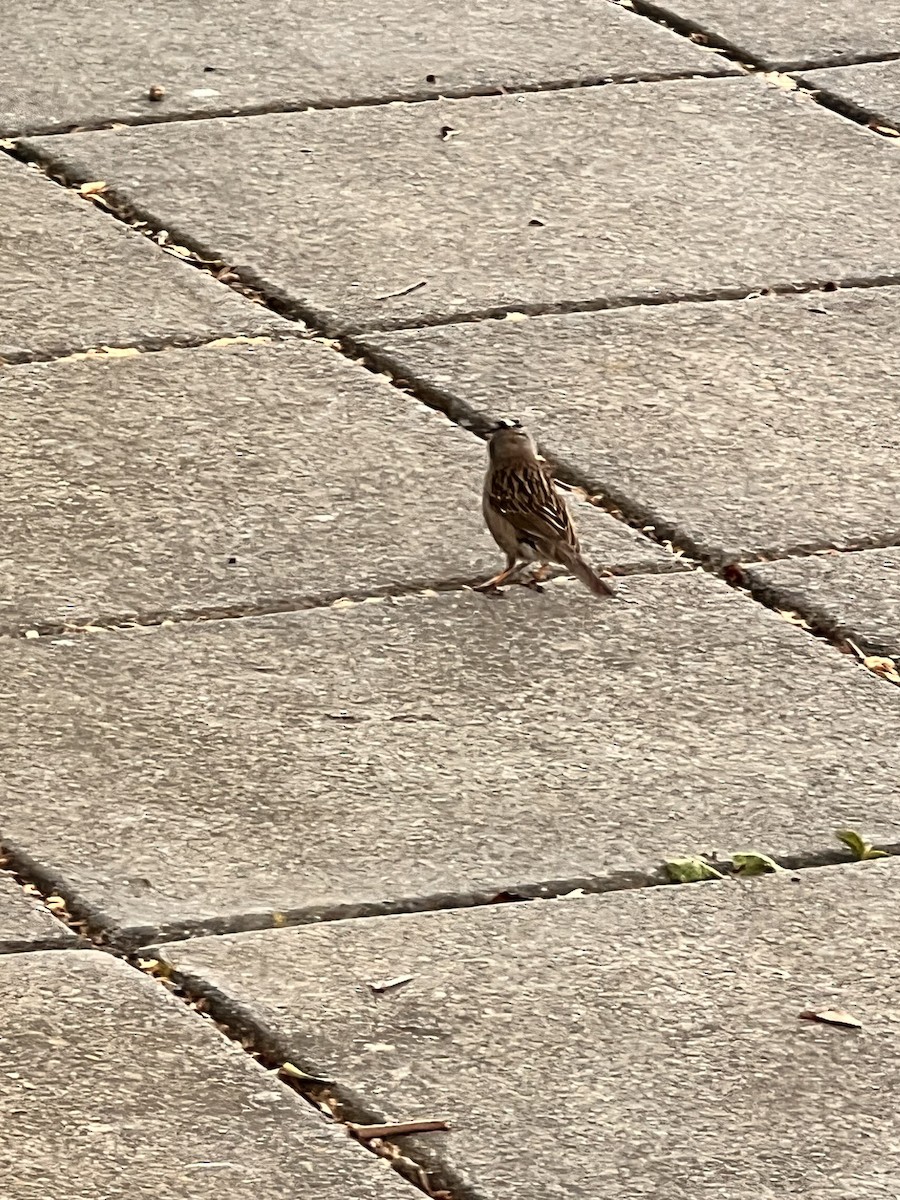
{"x": 530, "y": 502}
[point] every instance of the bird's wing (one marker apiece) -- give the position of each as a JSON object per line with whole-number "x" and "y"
{"x": 531, "y": 504}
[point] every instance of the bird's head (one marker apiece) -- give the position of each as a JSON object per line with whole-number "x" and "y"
{"x": 510, "y": 441}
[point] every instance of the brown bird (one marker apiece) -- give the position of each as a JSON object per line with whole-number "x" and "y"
{"x": 527, "y": 517}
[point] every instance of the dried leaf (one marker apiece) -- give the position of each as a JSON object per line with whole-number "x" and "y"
{"x": 858, "y": 846}
{"x": 388, "y": 985}
{"x": 885, "y": 130}
{"x": 239, "y": 340}
{"x": 776, "y": 79}
{"x": 831, "y": 1016}
{"x": 753, "y": 863}
{"x": 293, "y": 1072}
{"x": 92, "y": 189}
{"x": 793, "y": 618}
{"x": 690, "y": 870}
{"x": 880, "y": 664}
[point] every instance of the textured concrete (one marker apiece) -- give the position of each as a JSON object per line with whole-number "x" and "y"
{"x": 26, "y": 925}
{"x": 740, "y": 428}
{"x": 350, "y": 760}
{"x": 73, "y": 278}
{"x": 251, "y": 476}
{"x": 236, "y": 56}
{"x": 870, "y": 88}
{"x": 626, "y": 1046}
{"x": 561, "y": 198}
{"x": 853, "y": 595}
{"x": 781, "y": 35}
{"x": 113, "y": 1089}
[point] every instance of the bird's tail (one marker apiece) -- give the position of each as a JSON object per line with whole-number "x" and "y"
{"x": 590, "y": 578}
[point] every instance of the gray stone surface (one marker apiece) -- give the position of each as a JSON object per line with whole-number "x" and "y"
{"x": 648, "y": 190}
{"x": 431, "y": 750}
{"x": 223, "y": 479}
{"x": 113, "y": 1089}
{"x": 872, "y": 88}
{"x": 73, "y": 279}
{"x": 747, "y": 428}
{"x": 781, "y": 35}
{"x": 236, "y": 56}
{"x": 626, "y": 1046}
{"x": 26, "y": 925}
{"x": 852, "y": 595}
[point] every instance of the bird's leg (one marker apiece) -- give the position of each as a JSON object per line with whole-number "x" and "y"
{"x": 538, "y": 576}
{"x": 512, "y": 565}
{"x": 542, "y": 572}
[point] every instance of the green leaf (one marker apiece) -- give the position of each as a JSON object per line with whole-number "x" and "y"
{"x": 690, "y": 870}
{"x": 858, "y": 846}
{"x": 750, "y": 862}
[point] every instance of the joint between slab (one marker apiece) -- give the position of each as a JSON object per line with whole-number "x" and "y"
{"x": 150, "y": 345}
{"x": 751, "y": 63}
{"x": 871, "y": 657}
{"x": 343, "y": 599}
{"x": 337, "y": 1102}
{"x": 106, "y": 932}
{"x": 249, "y": 284}
{"x": 869, "y": 119}
{"x": 614, "y": 79}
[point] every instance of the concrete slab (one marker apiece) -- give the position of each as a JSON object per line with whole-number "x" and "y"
{"x": 741, "y": 429}
{"x": 113, "y": 1088}
{"x": 641, "y": 1044}
{"x": 246, "y": 773}
{"x": 239, "y": 57}
{"x": 870, "y": 88}
{"x": 26, "y": 925}
{"x": 556, "y": 199}
{"x": 242, "y": 478}
{"x": 778, "y": 35}
{"x": 852, "y": 595}
{"x": 74, "y": 279}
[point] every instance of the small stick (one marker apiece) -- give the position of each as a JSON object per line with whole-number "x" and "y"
{"x": 413, "y": 287}
{"x": 366, "y": 1132}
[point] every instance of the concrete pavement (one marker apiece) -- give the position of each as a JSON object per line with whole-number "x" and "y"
{"x": 289, "y": 789}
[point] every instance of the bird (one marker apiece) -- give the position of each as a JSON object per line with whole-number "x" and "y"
{"x": 525, "y": 514}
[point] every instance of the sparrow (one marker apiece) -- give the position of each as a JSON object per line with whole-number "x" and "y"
{"x": 527, "y": 517}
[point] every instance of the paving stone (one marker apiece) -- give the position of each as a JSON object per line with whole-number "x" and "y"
{"x": 742, "y": 429}
{"x": 770, "y": 189}
{"x": 245, "y": 477}
{"x": 74, "y": 279}
{"x": 779, "y": 35}
{"x": 113, "y": 1089}
{"x": 872, "y": 88}
{"x": 634, "y": 1045}
{"x": 25, "y": 925}
{"x": 237, "y": 57}
{"x": 343, "y": 761}
{"x": 852, "y": 595}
